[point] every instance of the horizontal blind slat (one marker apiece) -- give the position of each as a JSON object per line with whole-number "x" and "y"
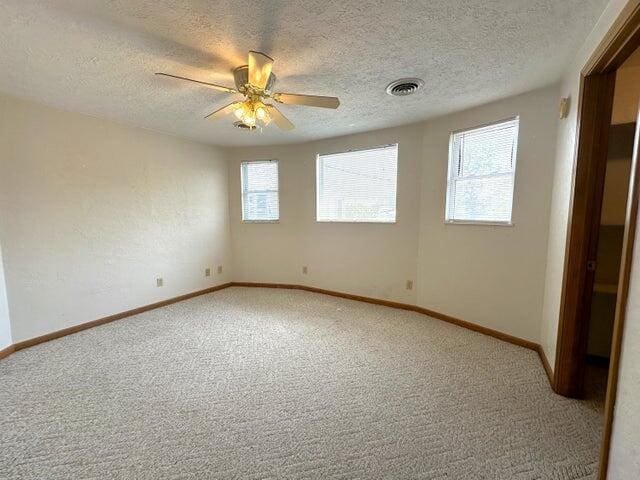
{"x": 358, "y": 186}
{"x": 260, "y": 191}
{"x": 481, "y": 173}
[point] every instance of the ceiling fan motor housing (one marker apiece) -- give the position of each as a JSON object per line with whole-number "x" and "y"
{"x": 241, "y": 79}
{"x": 243, "y": 126}
{"x": 255, "y": 81}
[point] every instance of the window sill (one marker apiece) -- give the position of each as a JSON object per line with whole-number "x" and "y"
{"x": 260, "y": 221}
{"x": 479, "y": 222}
{"x": 361, "y": 222}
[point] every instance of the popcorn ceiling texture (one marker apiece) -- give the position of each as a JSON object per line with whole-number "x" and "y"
{"x": 266, "y": 384}
{"x": 99, "y": 57}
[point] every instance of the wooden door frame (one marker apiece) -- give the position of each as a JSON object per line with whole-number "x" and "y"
{"x": 594, "y": 117}
{"x": 621, "y": 303}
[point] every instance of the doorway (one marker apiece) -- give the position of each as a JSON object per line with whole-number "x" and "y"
{"x": 610, "y": 233}
{"x": 594, "y": 237}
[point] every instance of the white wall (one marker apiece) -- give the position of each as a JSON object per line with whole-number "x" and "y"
{"x": 627, "y": 95}
{"x": 492, "y": 276}
{"x": 5, "y": 325}
{"x": 93, "y": 211}
{"x": 367, "y": 259}
{"x": 624, "y": 460}
{"x": 563, "y": 180}
{"x": 616, "y": 190}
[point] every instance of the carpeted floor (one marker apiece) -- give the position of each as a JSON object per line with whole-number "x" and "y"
{"x": 266, "y": 384}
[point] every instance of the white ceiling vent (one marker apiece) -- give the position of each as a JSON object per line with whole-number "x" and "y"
{"x": 404, "y": 86}
{"x": 242, "y": 126}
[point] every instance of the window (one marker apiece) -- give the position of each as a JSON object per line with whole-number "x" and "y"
{"x": 482, "y": 165}
{"x": 260, "y": 191}
{"x": 358, "y": 186}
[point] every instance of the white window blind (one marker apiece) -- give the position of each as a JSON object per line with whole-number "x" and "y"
{"x": 260, "y": 191}
{"x": 358, "y": 186}
{"x": 482, "y": 165}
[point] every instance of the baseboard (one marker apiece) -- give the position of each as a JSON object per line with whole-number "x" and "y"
{"x": 7, "y": 351}
{"x": 545, "y": 364}
{"x": 404, "y": 306}
{"x": 388, "y": 303}
{"x": 101, "y": 321}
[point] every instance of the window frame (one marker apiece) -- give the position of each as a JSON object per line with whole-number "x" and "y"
{"x": 243, "y": 192}
{"x": 364, "y": 149}
{"x": 496, "y": 223}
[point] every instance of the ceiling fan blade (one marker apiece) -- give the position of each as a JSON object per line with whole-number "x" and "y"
{"x": 279, "y": 119}
{"x": 221, "y": 112}
{"x": 259, "y": 69}
{"x": 308, "y": 100}
{"x": 220, "y": 88}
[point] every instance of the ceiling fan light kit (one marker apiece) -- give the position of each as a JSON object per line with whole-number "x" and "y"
{"x": 256, "y": 81}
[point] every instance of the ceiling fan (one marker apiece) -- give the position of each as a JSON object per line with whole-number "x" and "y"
{"x": 256, "y": 81}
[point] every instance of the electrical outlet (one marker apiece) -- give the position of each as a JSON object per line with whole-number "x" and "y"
{"x": 219, "y": 269}
{"x": 409, "y": 284}
{"x": 207, "y": 272}
{"x": 305, "y": 270}
{"x": 159, "y": 282}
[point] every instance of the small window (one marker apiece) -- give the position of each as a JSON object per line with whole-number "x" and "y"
{"x": 260, "y": 191}
{"x": 357, "y": 186}
{"x": 482, "y": 165}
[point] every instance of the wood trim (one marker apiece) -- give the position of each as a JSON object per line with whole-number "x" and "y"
{"x": 577, "y": 283}
{"x": 622, "y": 39}
{"x": 376, "y": 301}
{"x": 545, "y": 364}
{"x": 5, "y": 352}
{"x": 101, "y": 321}
{"x": 403, "y": 306}
{"x": 621, "y": 304}
{"x": 618, "y": 43}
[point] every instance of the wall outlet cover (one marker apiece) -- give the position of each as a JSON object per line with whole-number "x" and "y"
{"x": 305, "y": 270}
{"x": 207, "y": 272}
{"x": 219, "y": 269}
{"x": 159, "y": 282}
{"x": 409, "y": 284}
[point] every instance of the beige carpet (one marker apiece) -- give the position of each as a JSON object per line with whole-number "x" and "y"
{"x": 265, "y": 384}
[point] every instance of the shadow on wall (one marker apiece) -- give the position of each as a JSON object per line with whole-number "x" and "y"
{"x": 5, "y": 326}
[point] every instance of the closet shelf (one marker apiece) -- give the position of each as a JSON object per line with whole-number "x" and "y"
{"x": 611, "y": 288}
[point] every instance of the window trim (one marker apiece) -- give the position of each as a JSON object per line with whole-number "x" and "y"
{"x": 488, "y": 223}
{"x": 242, "y": 191}
{"x": 359, "y": 222}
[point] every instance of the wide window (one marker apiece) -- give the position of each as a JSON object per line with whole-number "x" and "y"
{"x": 357, "y": 186}
{"x": 260, "y": 191}
{"x": 482, "y": 165}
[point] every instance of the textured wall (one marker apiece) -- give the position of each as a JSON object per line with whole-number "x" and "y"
{"x": 624, "y": 461}
{"x": 490, "y": 275}
{"x": 366, "y": 259}
{"x": 616, "y": 189}
{"x": 627, "y": 96}
{"x": 93, "y": 212}
{"x": 5, "y": 325}
{"x": 459, "y": 267}
{"x": 563, "y": 180}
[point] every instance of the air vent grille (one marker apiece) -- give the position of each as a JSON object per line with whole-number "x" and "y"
{"x": 404, "y": 87}
{"x": 243, "y": 126}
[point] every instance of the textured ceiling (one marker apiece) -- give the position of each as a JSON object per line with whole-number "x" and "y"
{"x": 98, "y": 57}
